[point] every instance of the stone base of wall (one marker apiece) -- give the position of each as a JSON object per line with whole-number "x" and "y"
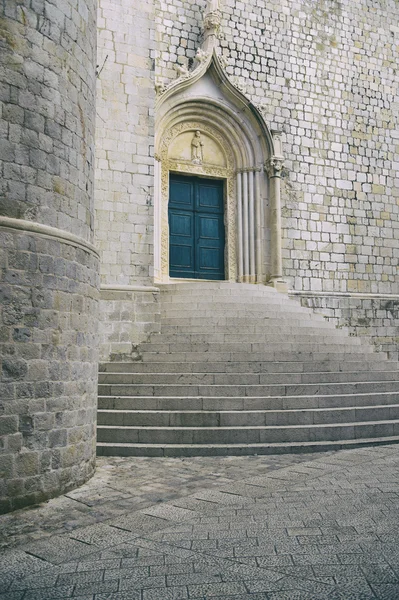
{"x": 128, "y": 316}
{"x": 374, "y": 316}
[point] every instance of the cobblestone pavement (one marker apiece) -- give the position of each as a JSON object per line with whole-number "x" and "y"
{"x": 254, "y": 528}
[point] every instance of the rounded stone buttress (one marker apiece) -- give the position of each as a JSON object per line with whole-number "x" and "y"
{"x": 49, "y": 268}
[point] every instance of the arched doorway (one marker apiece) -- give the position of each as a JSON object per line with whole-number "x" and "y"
{"x": 207, "y": 129}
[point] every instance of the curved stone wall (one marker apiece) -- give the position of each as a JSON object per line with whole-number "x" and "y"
{"x": 49, "y": 276}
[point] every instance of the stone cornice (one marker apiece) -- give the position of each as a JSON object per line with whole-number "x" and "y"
{"x": 47, "y": 231}
{"x": 365, "y": 295}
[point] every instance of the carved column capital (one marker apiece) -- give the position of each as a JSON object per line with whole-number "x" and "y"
{"x": 274, "y": 166}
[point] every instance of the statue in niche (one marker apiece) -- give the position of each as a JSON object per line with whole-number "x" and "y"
{"x": 197, "y": 148}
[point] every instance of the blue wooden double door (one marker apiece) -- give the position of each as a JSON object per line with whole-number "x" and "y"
{"x": 196, "y": 228}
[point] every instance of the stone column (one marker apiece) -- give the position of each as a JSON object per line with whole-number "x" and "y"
{"x": 240, "y": 252}
{"x": 258, "y": 225}
{"x": 274, "y": 167}
{"x": 49, "y": 277}
{"x": 252, "y": 235}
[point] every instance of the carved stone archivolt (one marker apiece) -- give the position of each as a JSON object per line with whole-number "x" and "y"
{"x": 196, "y": 166}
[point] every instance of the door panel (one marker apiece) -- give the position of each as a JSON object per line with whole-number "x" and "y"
{"x": 196, "y": 228}
{"x": 209, "y": 198}
{"x": 181, "y": 193}
{"x": 210, "y": 245}
{"x": 181, "y": 231}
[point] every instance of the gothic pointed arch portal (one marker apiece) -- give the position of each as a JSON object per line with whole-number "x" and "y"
{"x": 206, "y": 127}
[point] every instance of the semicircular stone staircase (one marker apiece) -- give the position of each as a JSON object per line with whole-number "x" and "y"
{"x": 241, "y": 369}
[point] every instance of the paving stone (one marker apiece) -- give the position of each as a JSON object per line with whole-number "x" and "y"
{"x": 140, "y": 522}
{"x": 96, "y": 587}
{"x": 38, "y": 581}
{"x": 380, "y": 574}
{"x": 217, "y": 589}
{"x": 296, "y": 595}
{"x": 18, "y": 563}
{"x": 268, "y": 564}
{"x": 127, "y": 573}
{"x": 179, "y": 593}
{"x": 386, "y": 591}
{"x": 103, "y": 535}
{"x": 129, "y": 595}
{"x": 169, "y": 512}
{"x": 80, "y": 578}
{"x": 49, "y": 593}
{"x": 59, "y": 549}
{"x": 15, "y": 595}
{"x": 142, "y": 583}
{"x": 99, "y": 565}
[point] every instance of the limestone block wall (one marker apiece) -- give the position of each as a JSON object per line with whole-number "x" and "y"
{"x": 373, "y": 316}
{"x": 124, "y": 141}
{"x": 128, "y": 315}
{"x": 49, "y": 267}
{"x": 125, "y": 174}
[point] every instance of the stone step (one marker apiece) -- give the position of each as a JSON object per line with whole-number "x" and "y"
{"x": 185, "y": 311}
{"x": 245, "y": 378}
{"x": 246, "y": 418}
{"x": 256, "y": 348}
{"x": 229, "y": 403}
{"x": 182, "y": 285}
{"x": 194, "y": 303}
{"x": 266, "y": 337}
{"x": 308, "y": 389}
{"x": 176, "y": 450}
{"x": 374, "y": 362}
{"x": 247, "y": 357}
{"x": 248, "y": 435}
{"x": 240, "y": 369}
{"x": 254, "y": 326}
{"x": 227, "y": 296}
{"x": 261, "y": 320}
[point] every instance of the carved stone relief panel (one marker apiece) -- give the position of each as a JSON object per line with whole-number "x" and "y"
{"x": 196, "y": 147}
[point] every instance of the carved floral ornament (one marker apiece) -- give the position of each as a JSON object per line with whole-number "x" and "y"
{"x": 274, "y": 166}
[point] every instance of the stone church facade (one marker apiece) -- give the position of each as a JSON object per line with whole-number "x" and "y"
{"x": 291, "y": 106}
{"x": 318, "y": 80}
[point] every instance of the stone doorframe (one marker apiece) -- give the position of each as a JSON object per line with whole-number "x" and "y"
{"x": 167, "y": 165}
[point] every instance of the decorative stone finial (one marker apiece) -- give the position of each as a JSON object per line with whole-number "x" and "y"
{"x": 212, "y": 21}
